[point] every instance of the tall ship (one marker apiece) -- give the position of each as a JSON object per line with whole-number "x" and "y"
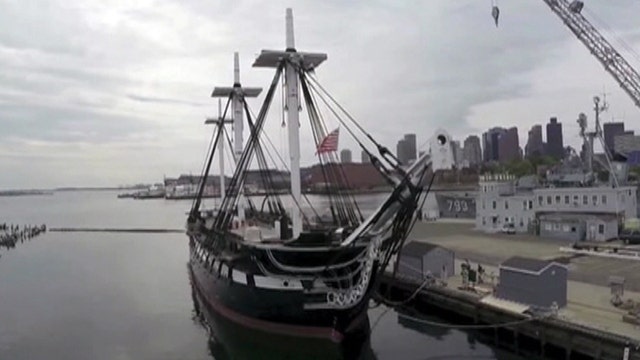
{"x": 456, "y": 205}
{"x": 284, "y": 266}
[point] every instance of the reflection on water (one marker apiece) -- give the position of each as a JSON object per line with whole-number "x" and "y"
{"x": 229, "y": 340}
{"x": 105, "y": 296}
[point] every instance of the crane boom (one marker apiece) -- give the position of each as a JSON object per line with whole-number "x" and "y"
{"x": 626, "y": 76}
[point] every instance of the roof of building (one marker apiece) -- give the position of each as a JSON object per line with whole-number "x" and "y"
{"x": 527, "y": 182}
{"x": 519, "y": 262}
{"x": 566, "y": 215}
{"x": 418, "y": 248}
{"x": 633, "y": 158}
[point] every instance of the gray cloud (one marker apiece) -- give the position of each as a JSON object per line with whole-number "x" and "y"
{"x": 151, "y": 99}
{"x": 106, "y": 82}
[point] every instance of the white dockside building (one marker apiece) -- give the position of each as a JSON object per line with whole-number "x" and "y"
{"x": 591, "y": 213}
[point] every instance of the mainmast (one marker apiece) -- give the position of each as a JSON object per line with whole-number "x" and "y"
{"x": 293, "y": 102}
{"x": 295, "y": 63}
{"x": 237, "y": 94}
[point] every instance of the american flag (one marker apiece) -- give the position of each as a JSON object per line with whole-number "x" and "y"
{"x": 329, "y": 143}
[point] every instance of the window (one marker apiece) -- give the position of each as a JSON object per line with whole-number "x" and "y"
{"x": 575, "y": 199}
{"x": 531, "y": 204}
{"x": 547, "y": 226}
{"x": 549, "y": 200}
{"x": 540, "y": 200}
{"x": 506, "y": 220}
{"x": 573, "y": 229}
{"x": 521, "y": 223}
{"x": 506, "y": 204}
{"x": 484, "y": 188}
{"x": 566, "y": 199}
{"x": 557, "y": 199}
{"x": 524, "y": 205}
{"x": 565, "y": 228}
{"x": 601, "y": 229}
{"x": 585, "y": 200}
{"x": 483, "y": 208}
{"x": 483, "y": 221}
{"x": 604, "y": 200}
{"x": 494, "y": 205}
{"x": 594, "y": 199}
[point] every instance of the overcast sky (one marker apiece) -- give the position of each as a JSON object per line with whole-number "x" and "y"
{"x": 110, "y": 92}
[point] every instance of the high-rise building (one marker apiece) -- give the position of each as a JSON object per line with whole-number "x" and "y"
{"x": 535, "y": 145}
{"x": 626, "y": 143}
{"x": 457, "y": 152}
{"x": 345, "y": 156}
{"x": 490, "y": 144}
{"x": 401, "y": 152}
{"x": 509, "y": 146}
{"x": 555, "y": 146}
{"x": 471, "y": 151}
{"x": 364, "y": 157}
{"x": 611, "y": 130}
{"x": 411, "y": 147}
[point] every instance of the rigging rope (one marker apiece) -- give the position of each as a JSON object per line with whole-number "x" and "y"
{"x": 286, "y": 167}
{"x": 195, "y": 205}
{"x": 329, "y": 175}
{"x": 353, "y": 208}
{"x": 381, "y": 149}
{"x": 225, "y": 215}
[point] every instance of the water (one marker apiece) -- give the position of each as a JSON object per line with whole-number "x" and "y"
{"x": 128, "y": 296}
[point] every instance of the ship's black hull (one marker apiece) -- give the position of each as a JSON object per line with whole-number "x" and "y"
{"x": 229, "y": 340}
{"x": 280, "y": 311}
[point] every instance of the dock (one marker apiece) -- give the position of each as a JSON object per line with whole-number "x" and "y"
{"x": 588, "y": 327}
{"x": 545, "y": 337}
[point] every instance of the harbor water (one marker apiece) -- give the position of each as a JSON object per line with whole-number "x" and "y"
{"x": 128, "y": 296}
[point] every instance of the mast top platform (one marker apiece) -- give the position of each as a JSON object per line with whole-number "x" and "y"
{"x": 237, "y": 89}
{"x": 225, "y": 91}
{"x": 272, "y": 58}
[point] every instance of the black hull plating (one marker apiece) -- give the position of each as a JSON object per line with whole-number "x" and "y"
{"x": 273, "y": 310}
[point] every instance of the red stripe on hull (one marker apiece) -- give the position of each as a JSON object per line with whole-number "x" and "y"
{"x": 268, "y": 326}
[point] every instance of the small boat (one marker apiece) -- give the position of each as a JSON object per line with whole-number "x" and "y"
{"x": 154, "y": 192}
{"x": 277, "y": 268}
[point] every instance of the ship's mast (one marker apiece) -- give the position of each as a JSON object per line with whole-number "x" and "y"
{"x": 220, "y": 122}
{"x": 221, "y": 150}
{"x": 295, "y": 62}
{"x": 237, "y": 94}
{"x": 238, "y": 125}
{"x": 291, "y": 83}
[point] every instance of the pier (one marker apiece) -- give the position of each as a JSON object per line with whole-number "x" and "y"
{"x": 591, "y": 325}
{"x": 544, "y": 336}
